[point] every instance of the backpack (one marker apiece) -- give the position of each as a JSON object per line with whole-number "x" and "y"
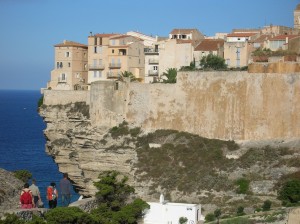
{"x": 49, "y": 193}
{"x": 26, "y": 198}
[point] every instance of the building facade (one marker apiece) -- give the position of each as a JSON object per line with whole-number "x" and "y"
{"x": 238, "y": 48}
{"x": 110, "y": 55}
{"x": 70, "y": 69}
{"x": 206, "y": 47}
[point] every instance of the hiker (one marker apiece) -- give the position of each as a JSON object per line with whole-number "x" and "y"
{"x": 65, "y": 190}
{"x": 52, "y": 195}
{"x": 26, "y": 198}
{"x": 35, "y": 193}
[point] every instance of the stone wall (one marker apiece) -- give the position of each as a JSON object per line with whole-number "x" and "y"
{"x": 224, "y": 105}
{"x": 62, "y": 97}
{"x": 274, "y": 67}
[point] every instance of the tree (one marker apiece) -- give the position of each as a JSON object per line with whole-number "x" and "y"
{"x": 191, "y": 67}
{"x": 112, "y": 190}
{"x": 213, "y": 62}
{"x": 113, "y": 194}
{"x": 171, "y": 75}
{"x": 267, "y": 205}
{"x": 129, "y": 75}
{"x": 217, "y": 214}
{"x": 290, "y": 191}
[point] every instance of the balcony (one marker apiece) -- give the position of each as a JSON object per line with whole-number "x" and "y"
{"x": 152, "y": 73}
{"x": 62, "y": 80}
{"x": 153, "y": 61}
{"x": 114, "y": 65}
{"x": 96, "y": 67}
{"x": 151, "y": 51}
{"x": 113, "y": 75}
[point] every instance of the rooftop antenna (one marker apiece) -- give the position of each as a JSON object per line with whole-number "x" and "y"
{"x": 91, "y": 33}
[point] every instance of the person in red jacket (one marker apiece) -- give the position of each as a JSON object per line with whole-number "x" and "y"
{"x": 26, "y": 198}
{"x": 52, "y": 195}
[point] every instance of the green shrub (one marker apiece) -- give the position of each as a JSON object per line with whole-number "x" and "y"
{"x": 290, "y": 191}
{"x": 240, "y": 211}
{"x": 23, "y": 175}
{"x": 11, "y": 219}
{"x": 183, "y": 220}
{"x": 267, "y": 205}
{"x": 243, "y": 185}
{"x": 64, "y": 215}
{"x": 41, "y": 101}
{"x": 210, "y": 217}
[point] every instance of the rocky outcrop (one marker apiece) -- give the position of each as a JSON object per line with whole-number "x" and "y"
{"x": 10, "y": 188}
{"x": 83, "y": 141}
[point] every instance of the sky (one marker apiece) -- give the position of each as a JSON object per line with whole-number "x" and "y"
{"x": 29, "y": 29}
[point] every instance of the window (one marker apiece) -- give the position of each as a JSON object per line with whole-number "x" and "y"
{"x": 67, "y": 54}
{"x": 155, "y": 68}
{"x": 69, "y": 64}
{"x": 95, "y": 49}
{"x": 60, "y": 64}
{"x": 100, "y": 74}
{"x": 95, "y": 74}
{"x": 57, "y": 64}
{"x": 113, "y": 42}
{"x": 112, "y": 51}
{"x": 77, "y": 75}
{"x": 63, "y": 76}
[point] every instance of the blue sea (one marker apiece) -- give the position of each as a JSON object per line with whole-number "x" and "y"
{"x": 22, "y": 142}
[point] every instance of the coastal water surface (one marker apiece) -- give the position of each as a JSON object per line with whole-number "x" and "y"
{"x": 22, "y": 143}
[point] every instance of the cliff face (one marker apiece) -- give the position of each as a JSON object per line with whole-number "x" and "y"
{"x": 10, "y": 189}
{"x": 259, "y": 107}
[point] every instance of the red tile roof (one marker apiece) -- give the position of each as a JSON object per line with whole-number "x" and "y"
{"x": 182, "y": 31}
{"x": 283, "y": 37}
{"x": 70, "y": 44}
{"x": 210, "y": 45}
{"x": 241, "y": 34}
{"x": 262, "y": 38}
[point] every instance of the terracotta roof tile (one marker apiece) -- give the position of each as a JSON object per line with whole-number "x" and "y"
{"x": 241, "y": 34}
{"x": 210, "y": 45}
{"x": 70, "y": 44}
{"x": 262, "y": 38}
{"x": 283, "y": 37}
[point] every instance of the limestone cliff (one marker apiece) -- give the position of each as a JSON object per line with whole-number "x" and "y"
{"x": 10, "y": 188}
{"x": 82, "y": 140}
